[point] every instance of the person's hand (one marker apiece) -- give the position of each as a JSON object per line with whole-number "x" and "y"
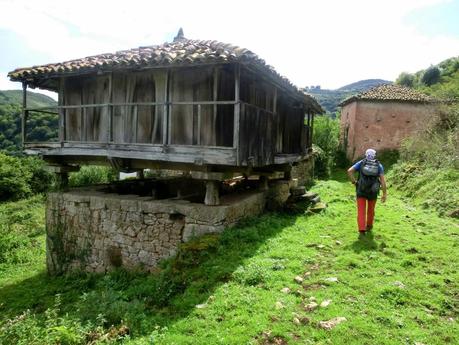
{"x": 383, "y": 198}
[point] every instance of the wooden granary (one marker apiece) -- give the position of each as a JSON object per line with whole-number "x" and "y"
{"x": 206, "y": 107}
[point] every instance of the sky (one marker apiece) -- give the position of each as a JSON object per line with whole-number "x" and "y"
{"x": 329, "y": 43}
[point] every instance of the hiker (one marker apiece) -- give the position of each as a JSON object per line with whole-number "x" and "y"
{"x": 371, "y": 179}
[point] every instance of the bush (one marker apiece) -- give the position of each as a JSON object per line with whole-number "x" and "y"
{"x": 89, "y": 175}
{"x": 14, "y": 178}
{"x": 428, "y": 169}
{"x": 21, "y": 177}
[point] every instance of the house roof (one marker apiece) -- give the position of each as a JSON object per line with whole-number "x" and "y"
{"x": 390, "y": 92}
{"x": 180, "y": 52}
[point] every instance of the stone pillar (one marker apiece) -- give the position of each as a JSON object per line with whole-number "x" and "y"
{"x": 212, "y": 197}
{"x": 263, "y": 183}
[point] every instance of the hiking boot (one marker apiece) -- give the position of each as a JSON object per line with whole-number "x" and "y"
{"x": 369, "y": 227}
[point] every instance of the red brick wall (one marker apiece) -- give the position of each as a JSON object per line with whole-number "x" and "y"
{"x": 381, "y": 125}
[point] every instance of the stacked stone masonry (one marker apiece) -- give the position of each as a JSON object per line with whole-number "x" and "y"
{"x": 94, "y": 231}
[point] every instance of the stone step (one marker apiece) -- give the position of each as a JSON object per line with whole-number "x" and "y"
{"x": 309, "y": 195}
{"x": 315, "y": 200}
{"x": 298, "y": 191}
{"x": 319, "y": 207}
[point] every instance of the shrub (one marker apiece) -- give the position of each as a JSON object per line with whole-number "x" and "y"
{"x": 14, "y": 178}
{"x": 326, "y": 141}
{"x": 428, "y": 169}
{"x": 89, "y": 175}
{"x": 20, "y": 177}
{"x": 251, "y": 274}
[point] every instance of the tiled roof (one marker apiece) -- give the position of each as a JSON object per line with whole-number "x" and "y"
{"x": 390, "y": 92}
{"x": 180, "y": 52}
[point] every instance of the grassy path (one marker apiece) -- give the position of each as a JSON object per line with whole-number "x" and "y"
{"x": 399, "y": 286}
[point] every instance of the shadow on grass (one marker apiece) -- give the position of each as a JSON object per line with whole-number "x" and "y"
{"x": 364, "y": 243}
{"x": 131, "y": 298}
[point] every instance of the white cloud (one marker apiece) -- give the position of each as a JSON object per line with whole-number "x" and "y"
{"x": 328, "y": 42}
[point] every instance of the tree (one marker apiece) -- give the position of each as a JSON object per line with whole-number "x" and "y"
{"x": 405, "y": 79}
{"x": 431, "y": 76}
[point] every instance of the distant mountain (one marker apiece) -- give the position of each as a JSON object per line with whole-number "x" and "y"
{"x": 329, "y": 99}
{"x": 34, "y": 99}
{"x": 364, "y": 85}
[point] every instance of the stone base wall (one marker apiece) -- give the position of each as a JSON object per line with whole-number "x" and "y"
{"x": 303, "y": 171}
{"x": 94, "y": 231}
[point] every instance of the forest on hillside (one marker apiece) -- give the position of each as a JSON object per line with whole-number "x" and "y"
{"x": 41, "y": 126}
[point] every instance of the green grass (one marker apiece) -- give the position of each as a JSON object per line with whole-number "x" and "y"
{"x": 399, "y": 286}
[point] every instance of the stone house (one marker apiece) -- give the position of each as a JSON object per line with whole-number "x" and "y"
{"x": 382, "y": 117}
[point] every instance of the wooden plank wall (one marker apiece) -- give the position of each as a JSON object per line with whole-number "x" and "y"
{"x": 258, "y": 122}
{"x": 139, "y": 87}
{"x": 213, "y": 122}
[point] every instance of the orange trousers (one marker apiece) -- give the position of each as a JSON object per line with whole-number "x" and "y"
{"x": 365, "y": 213}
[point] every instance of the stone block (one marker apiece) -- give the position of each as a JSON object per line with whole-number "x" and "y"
{"x": 96, "y": 203}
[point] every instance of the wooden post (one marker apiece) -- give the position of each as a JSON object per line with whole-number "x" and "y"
{"x": 237, "y": 110}
{"x": 62, "y": 180}
{"x": 83, "y": 124}
{"x": 198, "y": 141}
{"x": 136, "y": 122}
{"x": 215, "y": 98}
{"x": 110, "y": 108}
{"x": 60, "y": 102}
{"x": 212, "y": 197}
{"x": 167, "y": 112}
{"x": 24, "y": 113}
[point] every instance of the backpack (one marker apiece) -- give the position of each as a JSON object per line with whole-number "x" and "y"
{"x": 368, "y": 183}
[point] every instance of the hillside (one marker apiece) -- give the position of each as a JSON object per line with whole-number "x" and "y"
{"x": 33, "y": 99}
{"x": 441, "y": 80}
{"x": 42, "y": 127}
{"x": 278, "y": 279}
{"x": 329, "y": 99}
{"x": 363, "y": 85}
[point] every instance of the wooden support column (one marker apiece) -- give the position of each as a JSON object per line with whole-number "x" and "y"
{"x": 237, "y": 111}
{"x": 61, "y": 111}
{"x": 215, "y": 99}
{"x": 24, "y": 113}
{"x": 62, "y": 181}
{"x": 62, "y": 174}
{"x": 167, "y": 111}
{"x": 110, "y": 109}
{"x": 212, "y": 197}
